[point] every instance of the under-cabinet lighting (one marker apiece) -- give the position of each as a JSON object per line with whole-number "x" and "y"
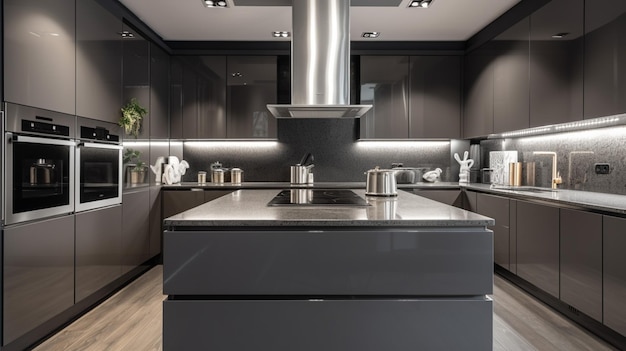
{"x": 233, "y": 143}
{"x": 400, "y": 143}
{"x": 559, "y": 35}
{"x": 601, "y": 122}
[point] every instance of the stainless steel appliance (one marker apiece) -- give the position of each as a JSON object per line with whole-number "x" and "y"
{"x": 381, "y": 182}
{"x": 98, "y": 165}
{"x": 39, "y": 164}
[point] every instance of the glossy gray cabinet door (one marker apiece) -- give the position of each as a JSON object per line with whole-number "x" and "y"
{"x": 98, "y": 62}
{"x": 98, "y": 249}
{"x": 510, "y": 86}
{"x": 556, "y": 64}
{"x": 614, "y": 281}
{"x": 469, "y": 200}
{"x": 478, "y": 92}
{"x": 135, "y": 229}
{"x": 605, "y": 63}
{"x": 38, "y": 274}
{"x": 190, "y": 101}
{"x": 251, "y": 85}
{"x": 159, "y": 92}
{"x": 212, "y": 97}
{"x": 385, "y": 85}
{"x": 156, "y": 220}
{"x": 435, "y": 97}
{"x": 40, "y": 54}
{"x": 497, "y": 207}
{"x": 538, "y": 245}
{"x": 513, "y": 236}
{"x": 449, "y": 197}
{"x": 136, "y": 76}
{"x": 581, "y": 261}
{"x": 176, "y": 98}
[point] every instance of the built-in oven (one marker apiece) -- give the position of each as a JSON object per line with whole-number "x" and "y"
{"x": 98, "y": 165}
{"x": 38, "y": 165}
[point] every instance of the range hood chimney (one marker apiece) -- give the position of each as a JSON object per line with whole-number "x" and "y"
{"x": 320, "y": 62}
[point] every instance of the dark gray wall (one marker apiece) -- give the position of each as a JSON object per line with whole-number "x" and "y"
{"x": 333, "y": 143}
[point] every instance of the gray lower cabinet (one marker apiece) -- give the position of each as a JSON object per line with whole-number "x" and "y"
{"x": 448, "y": 197}
{"x": 98, "y": 249}
{"x": 156, "y": 229}
{"x": 614, "y": 273}
{"x": 135, "y": 229}
{"x": 98, "y": 62}
{"x": 177, "y": 201}
{"x": 581, "y": 261}
{"x": 40, "y": 54}
{"x": 538, "y": 245}
{"x": 497, "y": 207}
{"x": 38, "y": 274}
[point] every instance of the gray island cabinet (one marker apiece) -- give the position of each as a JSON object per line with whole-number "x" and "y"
{"x": 401, "y": 273}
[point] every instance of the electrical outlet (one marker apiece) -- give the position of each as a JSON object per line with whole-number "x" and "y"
{"x": 602, "y": 168}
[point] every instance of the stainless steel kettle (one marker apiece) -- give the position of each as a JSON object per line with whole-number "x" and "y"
{"x": 42, "y": 172}
{"x": 381, "y": 182}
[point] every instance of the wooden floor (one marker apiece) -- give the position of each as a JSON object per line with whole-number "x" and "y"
{"x": 131, "y": 320}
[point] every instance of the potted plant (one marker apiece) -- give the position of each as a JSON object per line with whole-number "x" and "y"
{"x": 135, "y": 168}
{"x": 132, "y": 114}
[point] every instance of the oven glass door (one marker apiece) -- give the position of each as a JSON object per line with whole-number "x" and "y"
{"x": 99, "y": 175}
{"x": 40, "y": 182}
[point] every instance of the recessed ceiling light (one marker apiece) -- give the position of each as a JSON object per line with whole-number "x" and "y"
{"x": 370, "y": 34}
{"x": 281, "y": 34}
{"x": 559, "y": 35}
{"x": 421, "y": 4}
{"x": 237, "y": 74}
{"x": 126, "y": 34}
{"x": 215, "y": 3}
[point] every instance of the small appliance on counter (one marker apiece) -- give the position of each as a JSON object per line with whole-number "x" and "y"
{"x": 301, "y": 172}
{"x": 381, "y": 182}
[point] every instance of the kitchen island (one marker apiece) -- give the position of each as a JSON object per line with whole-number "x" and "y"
{"x": 395, "y": 274}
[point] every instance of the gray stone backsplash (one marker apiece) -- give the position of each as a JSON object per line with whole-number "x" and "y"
{"x": 577, "y": 154}
{"x": 339, "y": 157}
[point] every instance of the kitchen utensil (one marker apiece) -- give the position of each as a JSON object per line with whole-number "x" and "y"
{"x": 41, "y": 172}
{"x": 381, "y": 182}
{"x": 300, "y": 174}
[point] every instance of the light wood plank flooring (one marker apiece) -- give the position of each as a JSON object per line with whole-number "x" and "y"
{"x": 131, "y": 320}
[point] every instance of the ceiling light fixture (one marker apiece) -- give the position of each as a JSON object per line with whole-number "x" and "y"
{"x": 215, "y": 3}
{"x": 370, "y": 34}
{"x": 126, "y": 34}
{"x": 237, "y": 75}
{"x": 281, "y": 34}
{"x": 421, "y": 4}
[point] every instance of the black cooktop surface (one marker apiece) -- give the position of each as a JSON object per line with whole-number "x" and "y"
{"x": 319, "y": 197}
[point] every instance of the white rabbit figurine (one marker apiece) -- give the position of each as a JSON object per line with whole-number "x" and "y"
{"x": 466, "y": 164}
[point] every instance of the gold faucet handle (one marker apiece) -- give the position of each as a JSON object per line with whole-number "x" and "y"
{"x": 557, "y": 180}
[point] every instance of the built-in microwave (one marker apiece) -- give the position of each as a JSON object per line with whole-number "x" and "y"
{"x": 38, "y": 164}
{"x": 98, "y": 166}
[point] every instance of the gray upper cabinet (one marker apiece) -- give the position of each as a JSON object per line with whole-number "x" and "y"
{"x": 136, "y": 75}
{"x": 212, "y": 97}
{"x": 556, "y": 63}
{"x": 605, "y": 58}
{"x": 478, "y": 92}
{"x": 40, "y": 54}
{"x": 435, "y": 97}
{"x": 581, "y": 261}
{"x": 190, "y": 101}
{"x": 251, "y": 85}
{"x": 385, "y": 85}
{"x": 510, "y": 86}
{"x": 159, "y": 92}
{"x": 614, "y": 282}
{"x": 176, "y": 98}
{"x": 98, "y": 62}
{"x": 538, "y": 245}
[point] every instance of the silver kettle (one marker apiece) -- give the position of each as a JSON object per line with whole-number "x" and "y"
{"x": 42, "y": 172}
{"x": 381, "y": 182}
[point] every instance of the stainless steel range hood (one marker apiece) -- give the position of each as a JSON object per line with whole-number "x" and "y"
{"x": 320, "y": 62}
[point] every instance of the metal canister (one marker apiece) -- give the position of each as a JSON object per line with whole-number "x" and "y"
{"x": 217, "y": 176}
{"x": 236, "y": 175}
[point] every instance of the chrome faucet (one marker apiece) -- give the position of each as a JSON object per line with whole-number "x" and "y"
{"x": 556, "y": 176}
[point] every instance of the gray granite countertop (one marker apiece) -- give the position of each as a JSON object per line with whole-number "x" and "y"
{"x": 584, "y": 199}
{"x": 248, "y": 207}
{"x": 316, "y": 185}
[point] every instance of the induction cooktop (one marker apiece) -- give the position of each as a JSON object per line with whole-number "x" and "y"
{"x": 317, "y": 197}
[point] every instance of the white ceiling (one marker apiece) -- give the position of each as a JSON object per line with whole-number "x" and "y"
{"x": 445, "y": 20}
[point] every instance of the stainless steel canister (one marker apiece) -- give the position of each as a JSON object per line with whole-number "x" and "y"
{"x": 236, "y": 175}
{"x": 300, "y": 174}
{"x": 201, "y": 177}
{"x": 217, "y": 176}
